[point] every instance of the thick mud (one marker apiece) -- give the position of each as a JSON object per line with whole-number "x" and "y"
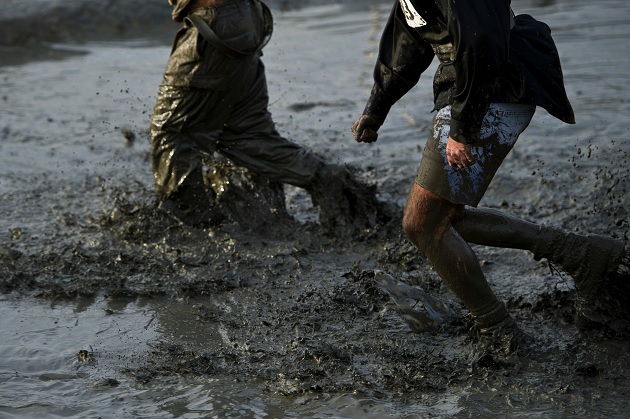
{"x": 269, "y": 314}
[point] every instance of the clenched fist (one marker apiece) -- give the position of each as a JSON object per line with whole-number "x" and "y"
{"x": 365, "y": 129}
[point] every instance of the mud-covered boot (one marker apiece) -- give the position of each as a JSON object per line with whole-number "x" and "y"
{"x": 593, "y": 261}
{"x": 499, "y": 334}
{"x": 344, "y": 202}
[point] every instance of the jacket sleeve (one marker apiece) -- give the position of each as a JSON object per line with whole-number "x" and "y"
{"x": 480, "y": 31}
{"x": 402, "y": 58}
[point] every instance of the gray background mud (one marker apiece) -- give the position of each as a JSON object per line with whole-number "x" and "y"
{"x": 275, "y": 318}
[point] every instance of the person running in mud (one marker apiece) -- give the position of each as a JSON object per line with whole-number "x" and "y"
{"x": 213, "y": 98}
{"x": 494, "y": 69}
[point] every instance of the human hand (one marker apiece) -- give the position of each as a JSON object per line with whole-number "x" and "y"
{"x": 365, "y": 129}
{"x": 458, "y": 154}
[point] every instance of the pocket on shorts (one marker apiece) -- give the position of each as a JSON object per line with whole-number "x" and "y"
{"x": 506, "y": 121}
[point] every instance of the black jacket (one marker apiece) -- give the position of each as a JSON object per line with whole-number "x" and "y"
{"x": 485, "y": 57}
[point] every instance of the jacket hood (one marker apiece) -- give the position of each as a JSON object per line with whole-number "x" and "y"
{"x": 178, "y": 9}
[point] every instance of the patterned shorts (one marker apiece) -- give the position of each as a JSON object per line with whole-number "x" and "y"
{"x": 501, "y": 127}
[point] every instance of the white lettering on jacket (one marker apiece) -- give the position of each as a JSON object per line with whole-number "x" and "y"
{"x": 412, "y": 16}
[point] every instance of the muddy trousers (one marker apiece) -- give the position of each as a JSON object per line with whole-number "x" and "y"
{"x": 246, "y": 135}
{"x": 209, "y": 103}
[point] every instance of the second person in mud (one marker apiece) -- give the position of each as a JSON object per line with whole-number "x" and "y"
{"x": 213, "y": 99}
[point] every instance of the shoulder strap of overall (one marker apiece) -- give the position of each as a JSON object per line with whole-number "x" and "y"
{"x": 209, "y": 35}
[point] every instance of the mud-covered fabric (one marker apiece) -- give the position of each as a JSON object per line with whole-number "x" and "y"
{"x": 179, "y": 9}
{"x": 209, "y": 102}
{"x": 500, "y": 129}
{"x": 483, "y": 60}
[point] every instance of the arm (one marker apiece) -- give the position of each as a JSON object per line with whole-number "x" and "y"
{"x": 402, "y": 59}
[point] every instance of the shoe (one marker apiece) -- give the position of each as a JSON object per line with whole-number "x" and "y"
{"x": 503, "y": 338}
{"x": 610, "y": 305}
{"x": 592, "y": 261}
{"x": 497, "y": 332}
{"x": 592, "y": 258}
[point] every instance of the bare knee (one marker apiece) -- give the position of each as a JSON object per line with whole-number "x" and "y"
{"x": 428, "y": 217}
{"x": 418, "y": 223}
{"x": 413, "y": 224}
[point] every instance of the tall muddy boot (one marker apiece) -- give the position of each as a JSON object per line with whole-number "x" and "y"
{"x": 498, "y": 332}
{"x": 593, "y": 261}
{"x": 344, "y": 202}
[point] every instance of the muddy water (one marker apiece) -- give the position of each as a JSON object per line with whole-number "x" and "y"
{"x": 108, "y": 310}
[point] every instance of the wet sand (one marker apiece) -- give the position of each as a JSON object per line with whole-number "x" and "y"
{"x": 257, "y": 318}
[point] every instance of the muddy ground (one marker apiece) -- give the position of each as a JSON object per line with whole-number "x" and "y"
{"x": 290, "y": 308}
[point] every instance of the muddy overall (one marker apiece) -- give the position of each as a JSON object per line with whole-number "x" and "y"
{"x": 211, "y": 101}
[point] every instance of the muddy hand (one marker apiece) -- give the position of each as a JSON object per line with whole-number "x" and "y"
{"x": 365, "y": 129}
{"x": 459, "y": 155}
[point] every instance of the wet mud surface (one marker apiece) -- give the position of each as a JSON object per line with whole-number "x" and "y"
{"x": 269, "y": 301}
